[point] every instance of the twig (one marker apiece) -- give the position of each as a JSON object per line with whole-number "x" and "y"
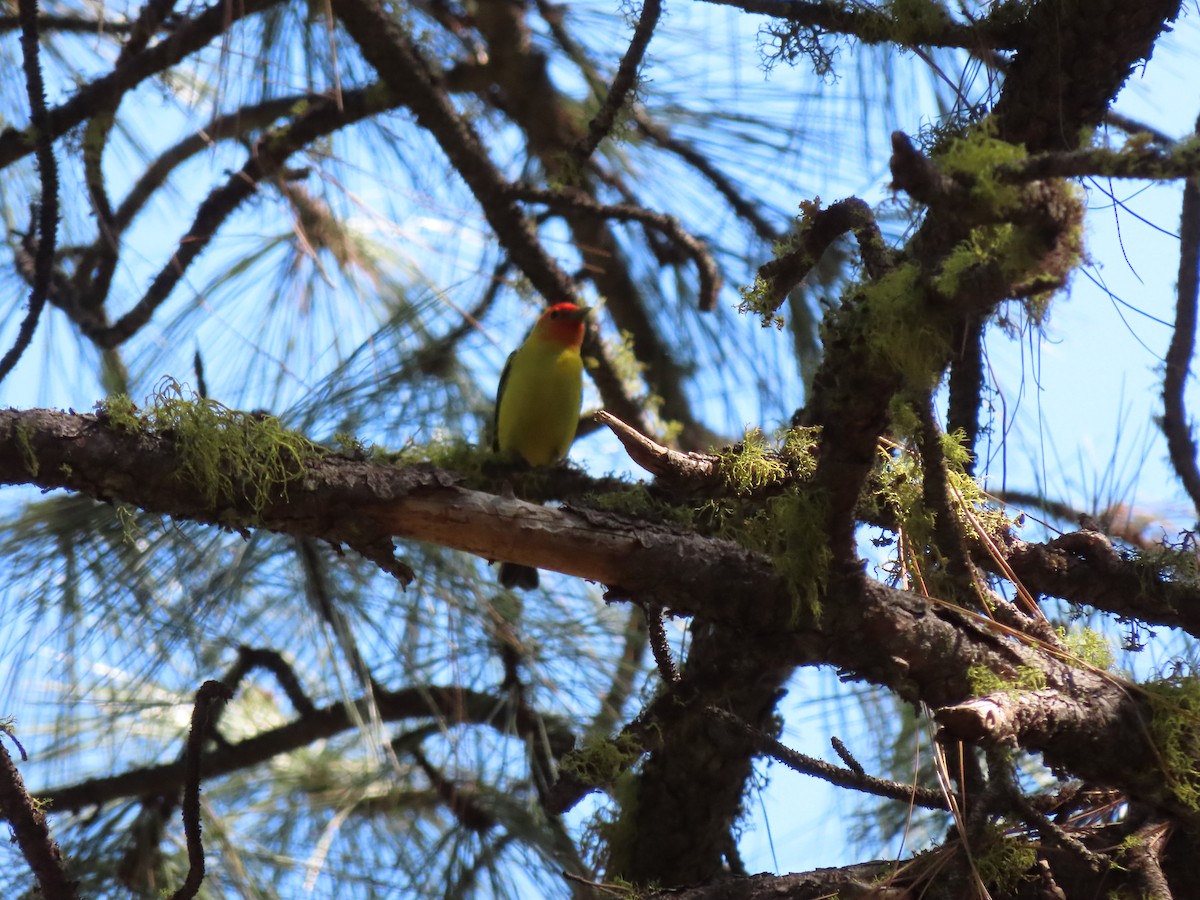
{"x": 659, "y": 644}
{"x": 250, "y": 658}
{"x": 211, "y": 694}
{"x": 844, "y": 754}
{"x": 623, "y": 82}
{"x": 835, "y": 775}
{"x": 47, "y": 226}
{"x": 575, "y": 199}
{"x": 463, "y": 803}
{"x": 1180, "y": 443}
{"x": 28, "y": 824}
{"x": 446, "y": 704}
{"x": 268, "y": 158}
{"x": 820, "y": 229}
{"x": 185, "y": 39}
{"x": 693, "y": 469}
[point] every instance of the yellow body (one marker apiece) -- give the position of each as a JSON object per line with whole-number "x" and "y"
{"x": 537, "y": 407}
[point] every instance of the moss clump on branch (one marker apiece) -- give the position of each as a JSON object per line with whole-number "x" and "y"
{"x": 1002, "y": 860}
{"x": 755, "y": 463}
{"x": 1088, "y": 645}
{"x": 599, "y": 763}
{"x": 984, "y": 681}
{"x": 789, "y": 526}
{"x": 228, "y": 455}
{"x": 901, "y": 329}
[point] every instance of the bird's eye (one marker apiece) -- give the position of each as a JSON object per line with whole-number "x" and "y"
{"x": 554, "y": 313}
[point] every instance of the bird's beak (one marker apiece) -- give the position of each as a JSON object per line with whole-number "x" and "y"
{"x": 580, "y": 313}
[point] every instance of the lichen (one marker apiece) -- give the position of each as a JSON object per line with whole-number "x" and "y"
{"x": 755, "y": 463}
{"x": 759, "y": 299}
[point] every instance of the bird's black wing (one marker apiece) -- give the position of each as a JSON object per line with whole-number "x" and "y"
{"x": 499, "y": 393}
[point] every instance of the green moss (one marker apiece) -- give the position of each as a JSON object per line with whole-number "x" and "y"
{"x": 790, "y": 529}
{"x": 118, "y": 411}
{"x": 636, "y": 501}
{"x": 444, "y": 451}
{"x": 751, "y": 464}
{"x": 1169, "y": 561}
{"x": 913, "y": 20}
{"x": 598, "y": 763}
{"x": 1090, "y": 646}
{"x": 900, "y": 328}
{"x": 1002, "y": 861}
{"x": 759, "y": 299}
{"x": 755, "y": 463}
{"x": 789, "y": 526}
{"x": 975, "y": 159}
{"x": 1175, "y": 730}
{"x": 226, "y": 454}
{"x": 984, "y": 681}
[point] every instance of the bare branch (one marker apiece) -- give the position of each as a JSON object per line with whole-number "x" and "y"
{"x": 189, "y": 36}
{"x": 623, "y": 82}
{"x": 210, "y": 695}
{"x": 575, "y": 199}
{"x": 446, "y": 704}
{"x": 1181, "y": 443}
{"x": 28, "y": 823}
{"x": 47, "y": 224}
{"x": 842, "y": 777}
{"x": 693, "y": 470}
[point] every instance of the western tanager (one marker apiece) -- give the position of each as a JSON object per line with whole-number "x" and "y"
{"x": 537, "y": 403}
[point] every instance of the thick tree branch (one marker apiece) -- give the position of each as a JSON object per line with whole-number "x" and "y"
{"x": 917, "y": 647}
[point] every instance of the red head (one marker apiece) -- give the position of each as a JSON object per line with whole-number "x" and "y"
{"x": 563, "y": 323}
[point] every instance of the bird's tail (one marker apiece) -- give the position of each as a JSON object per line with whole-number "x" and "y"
{"x": 514, "y": 575}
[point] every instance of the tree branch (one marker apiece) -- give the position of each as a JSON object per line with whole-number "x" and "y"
{"x": 1181, "y": 443}
{"x": 623, "y": 82}
{"x": 449, "y": 705}
{"x": 47, "y": 220}
{"x": 210, "y": 695}
{"x": 189, "y": 36}
{"x": 28, "y": 823}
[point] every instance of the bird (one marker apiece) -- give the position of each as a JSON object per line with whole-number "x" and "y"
{"x": 538, "y": 400}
